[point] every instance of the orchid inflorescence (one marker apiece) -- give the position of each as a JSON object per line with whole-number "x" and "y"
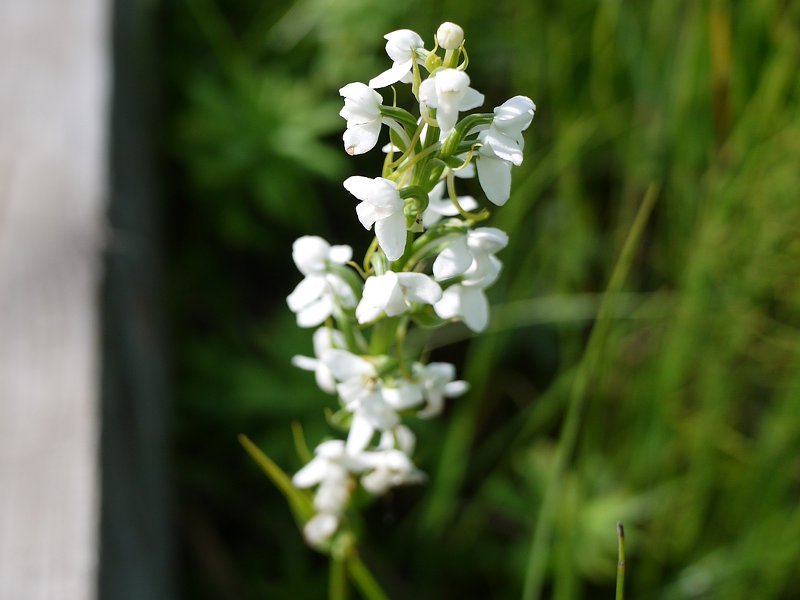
{"x": 428, "y": 264}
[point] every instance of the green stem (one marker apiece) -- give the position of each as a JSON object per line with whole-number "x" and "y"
{"x": 337, "y": 584}
{"x": 620, "y": 562}
{"x": 537, "y": 558}
{"x": 383, "y": 334}
{"x": 365, "y": 582}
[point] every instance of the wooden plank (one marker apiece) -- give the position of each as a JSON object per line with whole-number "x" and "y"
{"x": 53, "y": 82}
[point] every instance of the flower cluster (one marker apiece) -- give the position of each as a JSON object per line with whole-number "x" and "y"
{"x": 429, "y": 264}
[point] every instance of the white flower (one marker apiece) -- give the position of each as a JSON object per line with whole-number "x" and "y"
{"x": 329, "y": 470}
{"x": 393, "y": 294}
{"x": 362, "y": 110}
{"x": 382, "y": 206}
{"x": 448, "y": 92}
{"x": 361, "y": 392}
{"x": 438, "y": 382}
{"x": 320, "y": 528}
{"x": 390, "y": 468}
{"x": 440, "y": 205}
{"x": 402, "y": 394}
{"x": 400, "y": 438}
{"x": 316, "y": 297}
{"x": 403, "y": 47}
{"x": 472, "y": 256}
{"x": 449, "y": 35}
{"x": 312, "y": 254}
{"x": 324, "y": 339}
{"x": 502, "y": 147}
{"x": 468, "y": 303}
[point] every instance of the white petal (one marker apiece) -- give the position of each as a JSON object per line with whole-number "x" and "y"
{"x": 366, "y": 213}
{"x": 504, "y": 146}
{"x": 332, "y": 495}
{"x": 359, "y": 139}
{"x": 305, "y": 362}
{"x": 325, "y": 338}
{"x": 361, "y": 432}
{"x": 384, "y": 292}
{"x": 515, "y": 114}
{"x": 434, "y": 407}
{"x": 489, "y": 240}
{"x": 360, "y": 187}
{"x": 391, "y": 234}
{"x": 405, "y": 395}
{"x": 306, "y": 292}
{"x": 420, "y": 288}
{"x": 320, "y": 528}
{"x": 361, "y": 94}
{"x": 475, "y": 309}
{"x": 494, "y": 175}
{"x": 401, "y": 43}
{"x": 315, "y": 313}
{"x": 484, "y": 271}
{"x": 392, "y": 75}
{"x": 454, "y": 389}
{"x": 324, "y": 378}
{"x": 450, "y": 304}
{"x": 341, "y": 291}
{"x": 454, "y": 260}
{"x": 366, "y": 312}
{"x": 427, "y": 93}
{"x": 446, "y": 116}
{"x": 471, "y": 99}
{"x": 311, "y": 474}
{"x": 405, "y": 439}
{"x": 345, "y": 365}
{"x": 340, "y": 254}
{"x": 310, "y": 253}
{"x": 377, "y": 482}
{"x": 378, "y": 412}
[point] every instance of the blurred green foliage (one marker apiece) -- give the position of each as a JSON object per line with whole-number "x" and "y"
{"x": 691, "y": 433}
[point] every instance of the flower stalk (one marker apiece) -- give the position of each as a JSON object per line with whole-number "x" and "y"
{"x": 428, "y": 265}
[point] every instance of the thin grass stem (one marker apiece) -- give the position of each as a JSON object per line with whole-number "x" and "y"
{"x": 537, "y": 557}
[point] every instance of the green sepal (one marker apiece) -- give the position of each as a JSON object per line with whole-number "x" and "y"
{"x": 402, "y": 116}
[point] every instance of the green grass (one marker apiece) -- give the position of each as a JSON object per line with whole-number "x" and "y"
{"x": 690, "y": 431}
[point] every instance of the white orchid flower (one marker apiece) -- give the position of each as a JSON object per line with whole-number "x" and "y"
{"x": 403, "y": 47}
{"x": 317, "y": 296}
{"x": 324, "y": 339}
{"x": 362, "y": 111}
{"x": 468, "y": 303}
{"x": 440, "y": 205}
{"x": 448, "y": 92}
{"x": 361, "y": 391}
{"x": 502, "y": 145}
{"x": 382, "y": 207}
{"x": 394, "y": 293}
{"x": 402, "y": 394}
{"x": 389, "y": 468}
{"x": 330, "y": 470}
{"x": 312, "y": 254}
{"x": 438, "y": 382}
{"x": 449, "y": 35}
{"x": 472, "y": 256}
{"x": 400, "y": 438}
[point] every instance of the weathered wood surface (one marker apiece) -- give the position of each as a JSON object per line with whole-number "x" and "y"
{"x": 53, "y": 98}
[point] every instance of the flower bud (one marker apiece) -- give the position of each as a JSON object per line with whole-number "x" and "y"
{"x": 450, "y": 36}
